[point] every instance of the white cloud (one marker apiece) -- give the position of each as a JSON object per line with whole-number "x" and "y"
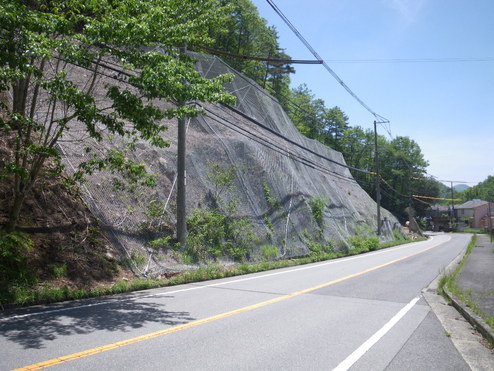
{"x": 408, "y": 9}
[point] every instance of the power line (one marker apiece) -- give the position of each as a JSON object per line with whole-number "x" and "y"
{"x": 269, "y": 60}
{"x": 262, "y": 140}
{"x": 273, "y": 146}
{"x": 379, "y": 118}
{"x": 423, "y": 202}
{"x": 300, "y": 158}
{"x": 293, "y": 142}
{"x": 437, "y": 198}
{"x": 414, "y": 60}
{"x": 119, "y": 71}
{"x": 280, "y": 150}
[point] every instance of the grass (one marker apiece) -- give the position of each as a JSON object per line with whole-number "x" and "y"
{"x": 22, "y": 295}
{"x": 448, "y": 281}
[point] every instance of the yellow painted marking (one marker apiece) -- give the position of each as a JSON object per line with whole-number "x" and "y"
{"x": 118, "y": 344}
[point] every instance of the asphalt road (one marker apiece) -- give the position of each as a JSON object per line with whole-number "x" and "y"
{"x": 363, "y": 312}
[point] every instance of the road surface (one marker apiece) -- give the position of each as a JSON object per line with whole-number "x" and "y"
{"x": 363, "y": 312}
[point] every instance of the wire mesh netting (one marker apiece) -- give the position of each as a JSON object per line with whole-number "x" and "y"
{"x": 279, "y": 177}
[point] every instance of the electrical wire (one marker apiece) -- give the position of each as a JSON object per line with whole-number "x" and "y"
{"x": 269, "y": 60}
{"x": 261, "y": 139}
{"x": 391, "y": 188}
{"x": 119, "y": 71}
{"x": 414, "y": 60}
{"x": 378, "y": 118}
{"x": 438, "y": 198}
{"x": 293, "y": 142}
{"x": 421, "y": 201}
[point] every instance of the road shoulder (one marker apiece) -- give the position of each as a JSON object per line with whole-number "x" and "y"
{"x": 465, "y": 338}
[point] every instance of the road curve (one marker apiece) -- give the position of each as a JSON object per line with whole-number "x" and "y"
{"x": 360, "y": 312}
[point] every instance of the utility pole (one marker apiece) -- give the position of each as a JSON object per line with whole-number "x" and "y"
{"x": 489, "y": 198}
{"x": 410, "y": 210}
{"x": 452, "y": 207}
{"x": 378, "y": 182}
{"x": 181, "y": 183}
{"x": 181, "y": 177}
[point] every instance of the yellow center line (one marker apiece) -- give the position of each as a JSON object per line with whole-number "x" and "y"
{"x": 152, "y": 335}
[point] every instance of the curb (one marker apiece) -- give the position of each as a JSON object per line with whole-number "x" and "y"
{"x": 475, "y": 320}
{"x": 467, "y": 338}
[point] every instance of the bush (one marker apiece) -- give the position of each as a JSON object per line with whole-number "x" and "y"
{"x": 14, "y": 270}
{"x": 13, "y": 257}
{"x": 269, "y": 252}
{"x": 317, "y": 206}
{"x": 318, "y": 248}
{"x": 212, "y": 234}
{"x": 361, "y": 244}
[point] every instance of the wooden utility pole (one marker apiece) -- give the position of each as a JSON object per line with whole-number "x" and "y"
{"x": 181, "y": 183}
{"x": 489, "y": 198}
{"x": 378, "y": 182}
{"x": 452, "y": 207}
{"x": 181, "y": 174}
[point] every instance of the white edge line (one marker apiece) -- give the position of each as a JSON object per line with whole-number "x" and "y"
{"x": 312, "y": 266}
{"x": 360, "y": 351}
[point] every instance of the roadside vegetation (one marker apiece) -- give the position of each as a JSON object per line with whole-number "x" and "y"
{"x": 448, "y": 282}
{"x": 79, "y": 263}
{"x": 19, "y": 284}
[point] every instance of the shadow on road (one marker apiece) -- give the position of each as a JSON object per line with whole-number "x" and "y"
{"x": 35, "y": 330}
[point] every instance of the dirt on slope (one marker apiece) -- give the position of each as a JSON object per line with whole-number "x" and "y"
{"x": 69, "y": 246}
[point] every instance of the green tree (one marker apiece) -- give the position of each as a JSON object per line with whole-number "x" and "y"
{"x": 403, "y": 170}
{"x": 133, "y": 42}
{"x": 335, "y": 123}
{"x": 482, "y": 191}
{"x": 248, "y": 34}
{"x": 306, "y": 112}
{"x": 425, "y": 186}
{"x": 357, "y": 147}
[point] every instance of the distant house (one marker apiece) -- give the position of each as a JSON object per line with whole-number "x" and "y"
{"x": 474, "y": 212}
{"x": 440, "y": 217}
{"x": 438, "y": 211}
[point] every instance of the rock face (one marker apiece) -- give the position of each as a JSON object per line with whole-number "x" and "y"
{"x": 291, "y": 188}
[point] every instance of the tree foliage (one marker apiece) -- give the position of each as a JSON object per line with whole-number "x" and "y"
{"x": 482, "y": 191}
{"x": 133, "y": 44}
{"x": 314, "y": 120}
{"x": 402, "y": 164}
{"x": 248, "y": 34}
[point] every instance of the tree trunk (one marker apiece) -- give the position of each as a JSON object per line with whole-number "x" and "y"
{"x": 15, "y": 211}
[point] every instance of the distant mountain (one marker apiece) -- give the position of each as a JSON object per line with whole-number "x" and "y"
{"x": 445, "y": 191}
{"x": 460, "y": 187}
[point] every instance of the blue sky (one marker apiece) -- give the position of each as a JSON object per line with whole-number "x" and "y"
{"x": 446, "y": 106}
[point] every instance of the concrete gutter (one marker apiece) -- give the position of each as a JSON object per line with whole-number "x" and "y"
{"x": 475, "y": 320}
{"x": 455, "y": 319}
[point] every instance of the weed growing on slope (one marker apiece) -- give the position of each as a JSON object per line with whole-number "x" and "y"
{"x": 316, "y": 206}
{"x": 14, "y": 269}
{"x": 272, "y": 202}
{"x": 23, "y": 295}
{"x": 218, "y": 231}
